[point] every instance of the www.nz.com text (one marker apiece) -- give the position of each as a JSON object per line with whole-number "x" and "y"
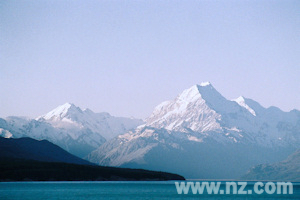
{"x": 234, "y": 188}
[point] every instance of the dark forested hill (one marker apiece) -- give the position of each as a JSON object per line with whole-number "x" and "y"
{"x": 26, "y": 159}
{"x": 28, "y": 148}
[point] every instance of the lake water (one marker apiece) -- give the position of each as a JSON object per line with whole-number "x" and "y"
{"x": 115, "y": 190}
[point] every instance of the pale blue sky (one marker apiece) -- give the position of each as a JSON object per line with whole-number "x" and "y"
{"x": 125, "y": 57}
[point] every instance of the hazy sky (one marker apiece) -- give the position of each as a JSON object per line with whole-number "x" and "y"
{"x": 125, "y": 57}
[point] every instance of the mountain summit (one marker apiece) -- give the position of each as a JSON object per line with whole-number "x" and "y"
{"x": 66, "y": 110}
{"x": 189, "y": 110}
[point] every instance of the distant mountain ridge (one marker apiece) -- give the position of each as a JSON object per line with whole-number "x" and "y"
{"x": 287, "y": 170}
{"x": 201, "y": 134}
{"x": 75, "y": 130}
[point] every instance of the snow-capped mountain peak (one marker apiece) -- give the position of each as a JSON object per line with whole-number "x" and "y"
{"x": 188, "y": 109}
{"x": 66, "y": 110}
{"x": 198, "y": 108}
{"x": 69, "y": 116}
{"x": 204, "y": 91}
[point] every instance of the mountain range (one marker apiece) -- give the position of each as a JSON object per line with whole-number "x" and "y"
{"x": 199, "y": 134}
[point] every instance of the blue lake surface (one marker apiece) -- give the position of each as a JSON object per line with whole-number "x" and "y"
{"x": 116, "y": 190}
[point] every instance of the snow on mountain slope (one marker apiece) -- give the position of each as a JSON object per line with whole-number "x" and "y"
{"x": 180, "y": 113}
{"x": 23, "y": 127}
{"x": 201, "y": 121}
{"x": 68, "y": 116}
{"x": 76, "y": 131}
{"x": 202, "y": 109}
{"x": 241, "y": 101}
